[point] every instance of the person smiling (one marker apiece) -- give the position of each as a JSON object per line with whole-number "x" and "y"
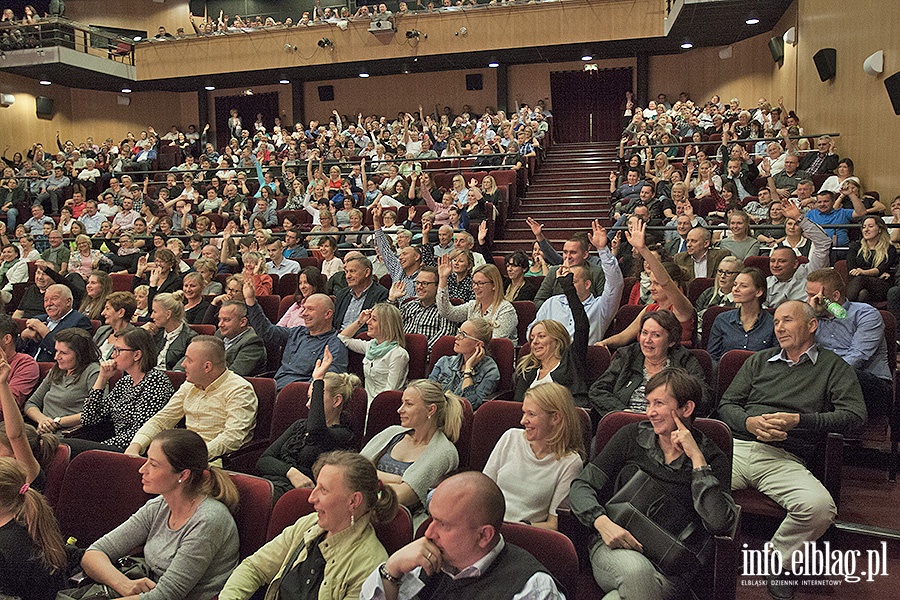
{"x": 682, "y": 463}
{"x": 550, "y": 450}
{"x": 326, "y": 554}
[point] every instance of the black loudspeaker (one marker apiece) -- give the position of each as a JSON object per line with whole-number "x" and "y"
{"x": 474, "y": 81}
{"x": 776, "y": 47}
{"x": 44, "y": 106}
{"x": 826, "y": 61}
{"x": 892, "y": 84}
{"x": 198, "y": 7}
{"x": 326, "y": 93}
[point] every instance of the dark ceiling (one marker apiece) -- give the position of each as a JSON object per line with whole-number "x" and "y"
{"x": 704, "y": 22}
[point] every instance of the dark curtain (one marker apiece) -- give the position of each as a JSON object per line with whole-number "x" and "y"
{"x": 248, "y": 107}
{"x": 588, "y": 105}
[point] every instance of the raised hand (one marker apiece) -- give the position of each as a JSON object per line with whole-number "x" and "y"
{"x": 323, "y": 364}
{"x": 482, "y": 233}
{"x": 397, "y": 291}
{"x": 599, "y": 235}
{"x": 790, "y": 210}
{"x": 636, "y": 234}
{"x": 444, "y": 268}
{"x": 536, "y": 228}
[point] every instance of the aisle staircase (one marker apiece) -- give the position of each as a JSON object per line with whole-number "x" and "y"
{"x": 570, "y": 189}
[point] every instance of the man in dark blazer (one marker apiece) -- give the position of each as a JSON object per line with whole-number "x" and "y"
{"x": 245, "y": 352}
{"x": 742, "y": 175}
{"x": 361, "y": 293}
{"x": 823, "y": 162}
{"x": 700, "y": 260}
{"x": 38, "y": 339}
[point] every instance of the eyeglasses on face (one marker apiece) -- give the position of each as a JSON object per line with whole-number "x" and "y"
{"x": 116, "y": 350}
{"x": 478, "y": 284}
{"x": 465, "y": 336}
{"x": 425, "y": 283}
{"x": 724, "y": 272}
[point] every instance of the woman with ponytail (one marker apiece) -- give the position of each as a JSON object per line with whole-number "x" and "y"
{"x": 33, "y": 452}
{"x": 414, "y": 456}
{"x": 32, "y": 555}
{"x": 288, "y": 462}
{"x": 327, "y": 554}
{"x": 189, "y": 537}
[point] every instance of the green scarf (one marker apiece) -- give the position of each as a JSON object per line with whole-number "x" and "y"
{"x": 376, "y": 350}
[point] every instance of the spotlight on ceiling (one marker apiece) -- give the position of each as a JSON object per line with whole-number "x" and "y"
{"x": 284, "y": 81}
{"x": 325, "y": 43}
{"x": 126, "y": 90}
{"x": 209, "y": 88}
{"x": 363, "y": 74}
{"x": 46, "y": 82}
{"x": 752, "y": 20}
{"x": 587, "y": 57}
{"x": 493, "y": 64}
{"x": 687, "y": 44}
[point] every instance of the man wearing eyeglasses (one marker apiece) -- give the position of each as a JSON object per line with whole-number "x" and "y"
{"x": 823, "y": 161}
{"x": 420, "y": 314}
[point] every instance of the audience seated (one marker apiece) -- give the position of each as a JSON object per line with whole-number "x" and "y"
{"x": 550, "y": 450}
{"x": 170, "y": 331}
{"x": 488, "y": 303}
{"x": 690, "y": 477}
{"x": 214, "y": 402}
{"x": 788, "y": 278}
{"x": 780, "y": 406}
{"x": 38, "y": 338}
{"x": 467, "y": 501}
{"x": 870, "y": 262}
{"x": 245, "y": 352}
{"x": 303, "y": 345}
{"x": 420, "y": 313}
{"x": 750, "y": 327}
{"x": 385, "y": 359}
{"x": 412, "y": 457}
{"x": 470, "y": 373}
{"x": 361, "y": 293}
{"x": 700, "y": 260}
{"x": 25, "y": 373}
{"x": 857, "y": 337}
{"x": 188, "y": 535}
{"x": 290, "y": 460}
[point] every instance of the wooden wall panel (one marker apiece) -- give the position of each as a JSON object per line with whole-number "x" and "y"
{"x": 530, "y": 83}
{"x": 144, "y": 15}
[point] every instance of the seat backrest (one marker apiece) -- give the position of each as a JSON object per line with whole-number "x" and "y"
{"x": 492, "y": 420}
{"x": 290, "y": 405}
{"x": 526, "y": 311}
{"x": 717, "y": 431}
{"x": 760, "y": 262}
{"x": 504, "y": 354}
{"x": 203, "y": 329}
{"x": 176, "y": 378}
{"x": 56, "y": 473}
{"x": 551, "y": 548}
{"x": 709, "y": 317}
{"x": 122, "y": 282}
{"x": 269, "y": 305}
{"x": 443, "y": 346}
{"x": 417, "y": 348}
{"x": 287, "y": 284}
{"x": 382, "y": 413}
{"x": 597, "y": 362}
{"x": 253, "y": 512}
{"x": 397, "y": 532}
{"x": 697, "y": 286}
{"x": 284, "y": 305}
{"x": 729, "y": 365}
{"x": 264, "y": 387}
{"x": 624, "y": 316}
{"x": 290, "y": 507}
{"x": 841, "y": 267}
{"x": 100, "y": 490}
{"x": 705, "y": 361}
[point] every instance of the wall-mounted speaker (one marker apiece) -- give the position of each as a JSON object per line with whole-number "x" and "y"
{"x": 44, "y": 106}
{"x": 326, "y": 93}
{"x": 826, "y": 63}
{"x": 474, "y": 82}
{"x": 7, "y": 99}
{"x": 892, "y": 84}
{"x": 776, "y": 47}
{"x": 874, "y": 64}
{"x": 123, "y": 100}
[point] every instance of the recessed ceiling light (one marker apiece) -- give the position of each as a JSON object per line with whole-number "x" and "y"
{"x": 587, "y": 57}
{"x": 493, "y": 64}
{"x": 284, "y": 81}
{"x": 46, "y": 82}
{"x": 209, "y": 88}
{"x": 137, "y": 38}
{"x": 126, "y": 90}
{"x": 687, "y": 45}
{"x": 363, "y": 74}
{"x": 752, "y": 20}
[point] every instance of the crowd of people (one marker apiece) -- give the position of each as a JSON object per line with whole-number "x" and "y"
{"x": 363, "y": 290}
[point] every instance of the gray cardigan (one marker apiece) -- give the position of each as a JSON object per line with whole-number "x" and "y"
{"x": 438, "y": 459}
{"x": 65, "y": 397}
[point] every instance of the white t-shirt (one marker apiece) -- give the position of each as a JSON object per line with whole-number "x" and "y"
{"x": 535, "y": 496}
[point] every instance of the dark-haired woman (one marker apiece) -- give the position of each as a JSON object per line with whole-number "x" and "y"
{"x": 189, "y": 538}
{"x": 138, "y": 394}
{"x": 750, "y": 327}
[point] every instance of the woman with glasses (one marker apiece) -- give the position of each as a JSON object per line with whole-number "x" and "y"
{"x": 140, "y": 392}
{"x": 720, "y": 292}
{"x": 470, "y": 372}
{"x": 488, "y": 304}
{"x": 749, "y": 327}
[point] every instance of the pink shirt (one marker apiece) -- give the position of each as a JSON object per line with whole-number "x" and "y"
{"x": 24, "y": 374}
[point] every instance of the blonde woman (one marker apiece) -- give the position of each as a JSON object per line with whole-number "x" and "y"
{"x": 413, "y": 456}
{"x": 168, "y": 323}
{"x": 489, "y": 191}
{"x": 255, "y": 268}
{"x": 385, "y": 359}
{"x": 460, "y": 191}
{"x": 326, "y": 225}
{"x": 84, "y": 260}
{"x": 488, "y": 304}
{"x": 870, "y": 262}
{"x": 550, "y": 449}
{"x": 98, "y": 288}
{"x": 470, "y": 372}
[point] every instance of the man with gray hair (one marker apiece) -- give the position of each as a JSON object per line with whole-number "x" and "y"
{"x": 463, "y": 240}
{"x": 445, "y": 241}
{"x": 215, "y": 402}
{"x": 361, "y": 293}
{"x": 38, "y": 338}
{"x": 245, "y": 352}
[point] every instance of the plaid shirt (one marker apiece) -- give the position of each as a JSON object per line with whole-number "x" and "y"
{"x": 425, "y": 320}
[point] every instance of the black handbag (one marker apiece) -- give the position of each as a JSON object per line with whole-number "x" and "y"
{"x": 132, "y": 567}
{"x": 662, "y": 524}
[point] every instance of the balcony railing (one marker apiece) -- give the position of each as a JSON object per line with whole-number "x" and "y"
{"x": 57, "y": 32}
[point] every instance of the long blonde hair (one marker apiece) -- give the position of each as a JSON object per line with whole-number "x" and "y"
{"x": 882, "y": 244}
{"x": 390, "y": 323}
{"x": 448, "y": 413}
{"x": 558, "y": 333}
{"x": 493, "y": 273}
{"x": 566, "y": 437}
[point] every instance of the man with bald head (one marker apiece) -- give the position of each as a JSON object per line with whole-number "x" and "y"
{"x": 699, "y": 260}
{"x": 37, "y": 340}
{"x": 781, "y": 406}
{"x": 303, "y": 345}
{"x": 215, "y": 402}
{"x": 463, "y": 554}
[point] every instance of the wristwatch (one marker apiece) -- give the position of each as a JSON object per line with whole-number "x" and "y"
{"x": 386, "y": 575}
{"x": 467, "y": 373}
{"x": 56, "y": 420}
